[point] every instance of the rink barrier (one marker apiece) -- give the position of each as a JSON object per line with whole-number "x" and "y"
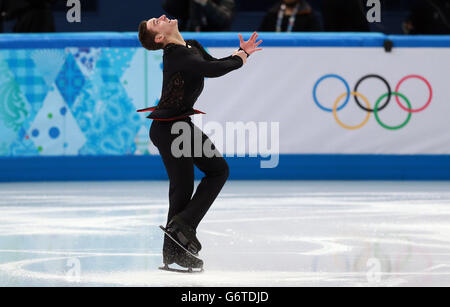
{"x": 291, "y": 167}
{"x": 130, "y": 40}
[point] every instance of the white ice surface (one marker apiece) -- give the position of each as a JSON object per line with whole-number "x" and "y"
{"x": 260, "y": 233}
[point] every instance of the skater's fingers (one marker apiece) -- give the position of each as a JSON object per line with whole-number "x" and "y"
{"x": 255, "y": 37}
{"x": 241, "y": 39}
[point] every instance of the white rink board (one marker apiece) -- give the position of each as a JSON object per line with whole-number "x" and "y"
{"x": 277, "y": 86}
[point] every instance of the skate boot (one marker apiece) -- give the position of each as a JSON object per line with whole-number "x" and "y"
{"x": 170, "y": 251}
{"x": 173, "y": 253}
{"x": 184, "y": 234}
{"x": 187, "y": 261}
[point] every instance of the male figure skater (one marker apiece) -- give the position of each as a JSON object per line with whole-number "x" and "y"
{"x": 185, "y": 65}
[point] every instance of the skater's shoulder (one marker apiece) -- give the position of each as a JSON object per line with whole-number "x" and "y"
{"x": 194, "y": 43}
{"x": 177, "y": 49}
{"x": 171, "y": 48}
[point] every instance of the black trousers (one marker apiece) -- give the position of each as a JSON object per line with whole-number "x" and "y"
{"x": 182, "y": 202}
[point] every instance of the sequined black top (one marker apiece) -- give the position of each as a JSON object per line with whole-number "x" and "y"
{"x": 185, "y": 68}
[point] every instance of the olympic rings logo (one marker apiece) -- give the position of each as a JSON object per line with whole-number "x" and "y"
{"x": 378, "y": 106}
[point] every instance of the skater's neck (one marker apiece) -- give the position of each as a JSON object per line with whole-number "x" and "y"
{"x": 176, "y": 39}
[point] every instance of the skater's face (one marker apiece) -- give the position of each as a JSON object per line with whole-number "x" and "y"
{"x": 164, "y": 26}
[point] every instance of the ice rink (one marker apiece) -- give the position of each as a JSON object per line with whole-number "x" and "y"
{"x": 258, "y": 233}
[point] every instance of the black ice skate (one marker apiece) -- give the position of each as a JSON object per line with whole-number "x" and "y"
{"x": 185, "y": 235}
{"x": 170, "y": 250}
{"x": 174, "y": 252}
{"x": 185, "y": 260}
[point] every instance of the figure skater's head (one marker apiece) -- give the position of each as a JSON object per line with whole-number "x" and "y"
{"x": 155, "y": 33}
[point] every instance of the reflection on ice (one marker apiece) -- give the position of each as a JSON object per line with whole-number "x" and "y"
{"x": 256, "y": 234}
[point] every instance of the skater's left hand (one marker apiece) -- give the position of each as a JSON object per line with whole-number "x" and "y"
{"x": 251, "y": 45}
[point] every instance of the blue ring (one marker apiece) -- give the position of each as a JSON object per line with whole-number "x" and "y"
{"x": 326, "y": 77}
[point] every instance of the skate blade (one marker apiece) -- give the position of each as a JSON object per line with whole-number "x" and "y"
{"x": 187, "y": 271}
{"x": 178, "y": 243}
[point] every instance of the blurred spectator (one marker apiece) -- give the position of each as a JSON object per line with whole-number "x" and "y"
{"x": 201, "y": 15}
{"x": 2, "y": 15}
{"x": 32, "y": 15}
{"x": 290, "y": 16}
{"x": 429, "y": 17}
{"x": 344, "y": 16}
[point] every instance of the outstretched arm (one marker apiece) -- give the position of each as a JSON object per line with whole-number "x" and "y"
{"x": 212, "y": 68}
{"x": 202, "y": 50}
{"x": 249, "y": 47}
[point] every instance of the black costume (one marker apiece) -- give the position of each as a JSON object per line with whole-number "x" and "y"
{"x": 185, "y": 68}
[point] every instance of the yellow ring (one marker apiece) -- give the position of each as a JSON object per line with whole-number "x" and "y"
{"x": 366, "y": 101}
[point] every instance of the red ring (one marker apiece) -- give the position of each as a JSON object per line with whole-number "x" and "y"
{"x": 429, "y": 87}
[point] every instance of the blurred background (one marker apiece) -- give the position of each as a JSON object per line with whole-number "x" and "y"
{"x": 397, "y": 17}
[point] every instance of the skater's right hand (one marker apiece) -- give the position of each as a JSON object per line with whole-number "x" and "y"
{"x": 241, "y": 54}
{"x": 250, "y": 46}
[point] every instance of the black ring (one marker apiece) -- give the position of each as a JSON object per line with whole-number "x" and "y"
{"x": 379, "y": 78}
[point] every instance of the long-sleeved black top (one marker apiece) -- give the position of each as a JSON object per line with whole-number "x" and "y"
{"x": 184, "y": 70}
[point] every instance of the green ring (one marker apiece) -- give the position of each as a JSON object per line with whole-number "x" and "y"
{"x": 375, "y": 111}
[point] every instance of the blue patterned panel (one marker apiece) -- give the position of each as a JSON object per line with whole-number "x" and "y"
{"x": 119, "y": 58}
{"x": 27, "y": 76}
{"x": 70, "y": 80}
{"x": 105, "y": 114}
{"x": 76, "y": 101}
{"x": 14, "y": 110}
{"x": 49, "y": 63}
